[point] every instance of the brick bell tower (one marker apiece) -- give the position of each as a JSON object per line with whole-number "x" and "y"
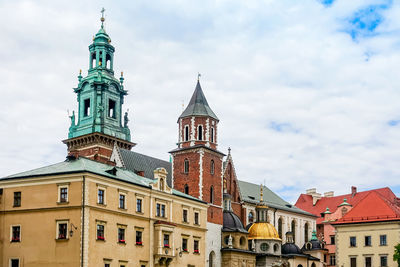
{"x": 100, "y": 97}
{"x": 197, "y": 164}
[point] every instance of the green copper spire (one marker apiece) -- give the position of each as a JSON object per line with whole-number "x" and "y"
{"x": 100, "y": 95}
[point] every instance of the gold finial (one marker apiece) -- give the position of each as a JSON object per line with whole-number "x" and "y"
{"x": 261, "y": 193}
{"x": 102, "y": 19}
{"x": 80, "y": 72}
{"x": 183, "y": 105}
{"x": 198, "y": 76}
{"x": 122, "y": 74}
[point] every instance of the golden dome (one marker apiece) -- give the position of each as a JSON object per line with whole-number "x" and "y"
{"x": 263, "y": 231}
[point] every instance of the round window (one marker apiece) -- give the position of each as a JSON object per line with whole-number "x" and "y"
{"x": 264, "y": 246}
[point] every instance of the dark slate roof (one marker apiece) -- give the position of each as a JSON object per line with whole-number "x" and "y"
{"x": 251, "y": 193}
{"x": 137, "y": 162}
{"x": 232, "y": 223}
{"x": 291, "y": 248}
{"x": 82, "y": 164}
{"x": 198, "y": 105}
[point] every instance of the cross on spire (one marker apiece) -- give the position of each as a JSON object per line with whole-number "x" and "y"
{"x": 198, "y": 76}
{"x": 102, "y": 19}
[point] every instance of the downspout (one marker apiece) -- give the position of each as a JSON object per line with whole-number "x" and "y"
{"x": 83, "y": 218}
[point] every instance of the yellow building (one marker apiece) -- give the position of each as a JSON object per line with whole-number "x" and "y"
{"x": 367, "y": 234}
{"x": 85, "y": 213}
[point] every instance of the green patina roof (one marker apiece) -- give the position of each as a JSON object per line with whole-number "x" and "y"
{"x": 138, "y": 162}
{"x": 251, "y": 193}
{"x": 86, "y": 165}
{"x": 198, "y": 105}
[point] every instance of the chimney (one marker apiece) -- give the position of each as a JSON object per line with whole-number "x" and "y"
{"x": 313, "y": 192}
{"x": 329, "y": 194}
{"x": 353, "y": 191}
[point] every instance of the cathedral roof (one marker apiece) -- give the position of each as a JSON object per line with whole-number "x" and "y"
{"x": 198, "y": 105}
{"x": 291, "y": 248}
{"x": 250, "y": 193}
{"x": 137, "y": 162}
{"x": 232, "y": 223}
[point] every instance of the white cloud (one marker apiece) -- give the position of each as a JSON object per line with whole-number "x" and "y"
{"x": 286, "y": 62}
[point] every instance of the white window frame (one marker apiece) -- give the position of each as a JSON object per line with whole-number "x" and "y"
{"x": 187, "y": 215}
{"x": 165, "y": 210}
{"x": 20, "y": 232}
{"x": 58, "y": 222}
{"x": 61, "y": 186}
{"x": 19, "y": 261}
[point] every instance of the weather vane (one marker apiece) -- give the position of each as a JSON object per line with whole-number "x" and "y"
{"x": 102, "y": 16}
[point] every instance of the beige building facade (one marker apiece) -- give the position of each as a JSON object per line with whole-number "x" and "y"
{"x": 367, "y": 244}
{"x": 85, "y": 213}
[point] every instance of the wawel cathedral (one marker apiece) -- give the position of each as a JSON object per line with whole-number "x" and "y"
{"x": 107, "y": 205}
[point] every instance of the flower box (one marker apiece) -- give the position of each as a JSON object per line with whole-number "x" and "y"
{"x": 15, "y": 239}
{"x": 139, "y": 243}
{"x": 196, "y": 251}
{"x": 166, "y": 246}
{"x": 185, "y": 250}
{"x": 100, "y": 238}
{"x": 61, "y": 237}
{"x": 121, "y": 241}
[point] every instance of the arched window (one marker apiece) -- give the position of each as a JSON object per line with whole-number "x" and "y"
{"x": 242, "y": 241}
{"x": 200, "y": 133}
{"x": 162, "y": 184}
{"x": 93, "y": 61}
{"x": 280, "y": 227}
{"x": 212, "y": 134}
{"x": 276, "y": 248}
{"x": 186, "y": 189}
{"x": 211, "y": 259}
{"x": 108, "y": 61}
{"x": 186, "y": 133}
{"x": 212, "y": 194}
{"x": 212, "y": 167}
{"x": 251, "y": 217}
{"x": 186, "y": 166}
{"x": 101, "y": 59}
{"x": 306, "y": 232}
{"x": 294, "y": 231}
{"x": 313, "y": 264}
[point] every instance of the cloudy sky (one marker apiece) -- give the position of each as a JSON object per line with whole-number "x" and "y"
{"x": 307, "y": 91}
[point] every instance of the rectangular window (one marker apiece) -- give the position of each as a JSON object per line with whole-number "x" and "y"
{"x": 382, "y": 239}
{"x": 185, "y": 216}
{"x": 100, "y": 232}
{"x": 122, "y": 201}
{"x": 332, "y": 240}
{"x": 86, "y": 107}
{"x": 139, "y": 205}
{"x": 121, "y": 235}
{"x": 353, "y": 241}
{"x": 64, "y": 194}
{"x": 212, "y": 134}
{"x": 368, "y": 241}
{"x": 17, "y": 199}
{"x": 184, "y": 244}
{"x": 353, "y": 262}
{"x": 139, "y": 238}
{"x": 166, "y": 240}
{"x": 196, "y": 218}
{"x": 196, "y": 246}
{"x": 186, "y": 133}
{"x": 111, "y": 108}
{"x": 16, "y": 233}
{"x": 62, "y": 230}
{"x": 14, "y": 262}
{"x": 332, "y": 259}
{"x": 160, "y": 211}
{"x": 384, "y": 261}
{"x": 106, "y": 265}
{"x": 100, "y": 196}
{"x": 368, "y": 262}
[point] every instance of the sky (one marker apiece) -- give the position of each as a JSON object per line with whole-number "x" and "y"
{"x": 307, "y": 91}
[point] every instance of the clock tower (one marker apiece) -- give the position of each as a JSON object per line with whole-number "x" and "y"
{"x": 99, "y": 125}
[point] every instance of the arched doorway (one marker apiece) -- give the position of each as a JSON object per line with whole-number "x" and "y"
{"x": 211, "y": 259}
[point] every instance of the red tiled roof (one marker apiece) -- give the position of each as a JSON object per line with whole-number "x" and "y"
{"x": 374, "y": 207}
{"x": 305, "y": 202}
